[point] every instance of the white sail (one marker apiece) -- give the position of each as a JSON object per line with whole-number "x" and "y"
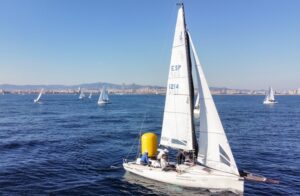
{"x": 197, "y": 65}
{"x": 269, "y": 98}
{"x": 197, "y": 101}
{"x": 266, "y": 97}
{"x": 214, "y": 149}
{"x": 103, "y": 98}
{"x": 90, "y": 96}
{"x": 177, "y": 127}
{"x": 82, "y": 95}
{"x": 271, "y": 94}
{"x": 39, "y": 96}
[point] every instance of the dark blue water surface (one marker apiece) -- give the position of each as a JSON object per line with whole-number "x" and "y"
{"x": 67, "y": 146}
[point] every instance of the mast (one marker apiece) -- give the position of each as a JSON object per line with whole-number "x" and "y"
{"x": 191, "y": 86}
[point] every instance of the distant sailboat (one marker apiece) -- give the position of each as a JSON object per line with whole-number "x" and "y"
{"x": 103, "y": 98}
{"x": 269, "y": 98}
{"x": 90, "y": 96}
{"x": 39, "y": 96}
{"x": 81, "y": 95}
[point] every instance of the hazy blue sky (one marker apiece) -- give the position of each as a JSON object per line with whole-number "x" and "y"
{"x": 241, "y": 43}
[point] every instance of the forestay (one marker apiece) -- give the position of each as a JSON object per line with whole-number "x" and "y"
{"x": 178, "y": 128}
{"x": 214, "y": 149}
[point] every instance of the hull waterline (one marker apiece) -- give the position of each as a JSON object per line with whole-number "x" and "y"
{"x": 190, "y": 176}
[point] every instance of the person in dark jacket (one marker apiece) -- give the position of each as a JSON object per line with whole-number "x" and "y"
{"x": 180, "y": 157}
{"x": 145, "y": 159}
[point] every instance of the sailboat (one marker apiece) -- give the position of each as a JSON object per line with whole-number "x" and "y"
{"x": 269, "y": 99}
{"x": 103, "y": 98}
{"x": 81, "y": 95}
{"x": 39, "y": 96}
{"x": 90, "y": 96}
{"x": 213, "y": 165}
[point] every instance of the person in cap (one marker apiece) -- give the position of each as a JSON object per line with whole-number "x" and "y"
{"x": 180, "y": 157}
{"x": 161, "y": 153}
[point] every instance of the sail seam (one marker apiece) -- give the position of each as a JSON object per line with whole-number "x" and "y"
{"x": 177, "y": 112}
{"x": 211, "y": 132}
{"x": 179, "y": 94}
{"x": 178, "y": 45}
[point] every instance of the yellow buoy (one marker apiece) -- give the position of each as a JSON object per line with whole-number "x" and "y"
{"x": 149, "y": 144}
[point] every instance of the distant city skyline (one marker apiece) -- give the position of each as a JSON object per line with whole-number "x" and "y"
{"x": 242, "y": 44}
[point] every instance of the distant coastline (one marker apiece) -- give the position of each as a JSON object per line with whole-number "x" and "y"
{"x": 128, "y": 89}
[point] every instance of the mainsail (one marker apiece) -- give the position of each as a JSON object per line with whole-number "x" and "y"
{"x": 271, "y": 94}
{"x": 178, "y": 127}
{"x": 103, "y": 96}
{"x": 82, "y": 95}
{"x": 39, "y": 96}
{"x": 214, "y": 149}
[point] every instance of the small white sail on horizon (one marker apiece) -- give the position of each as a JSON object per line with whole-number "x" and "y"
{"x": 81, "y": 95}
{"x": 39, "y": 96}
{"x": 90, "y": 96}
{"x": 269, "y": 98}
{"x": 103, "y": 98}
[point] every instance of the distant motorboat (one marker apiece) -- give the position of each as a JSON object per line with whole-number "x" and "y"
{"x": 270, "y": 99}
{"x": 103, "y": 98}
{"x": 39, "y": 96}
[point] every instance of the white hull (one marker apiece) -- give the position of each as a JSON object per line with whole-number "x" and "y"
{"x": 269, "y": 102}
{"x": 103, "y": 102}
{"x": 191, "y": 176}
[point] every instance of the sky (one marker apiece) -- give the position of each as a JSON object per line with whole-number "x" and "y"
{"x": 246, "y": 44}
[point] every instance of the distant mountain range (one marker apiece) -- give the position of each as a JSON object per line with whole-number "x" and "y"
{"x": 92, "y": 86}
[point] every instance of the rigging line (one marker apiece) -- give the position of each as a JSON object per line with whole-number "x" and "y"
{"x": 133, "y": 144}
{"x": 137, "y": 138}
{"x": 140, "y": 134}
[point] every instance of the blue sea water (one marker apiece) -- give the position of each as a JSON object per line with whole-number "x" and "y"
{"x": 67, "y": 146}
